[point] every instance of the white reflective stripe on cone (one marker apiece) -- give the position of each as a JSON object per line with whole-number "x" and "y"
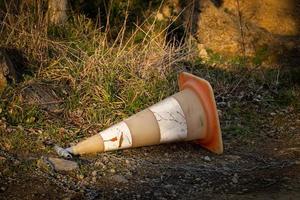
{"x": 116, "y": 137}
{"x": 171, "y": 120}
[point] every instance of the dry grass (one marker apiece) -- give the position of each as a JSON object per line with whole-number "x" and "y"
{"x": 101, "y": 80}
{"x": 82, "y": 81}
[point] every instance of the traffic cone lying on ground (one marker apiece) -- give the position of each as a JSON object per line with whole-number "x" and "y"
{"x": 190, "y": 114}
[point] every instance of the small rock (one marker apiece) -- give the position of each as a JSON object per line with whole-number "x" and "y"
{"x": 94, "y": 173}
{"x": 119, "y": 179}
{"x": 98, "y": 163}
{"x": 17, "y": 162}
{"x": 105, "y": 159}
{"x": 235, "y": 178}
{"x": 2, "y": 189}
{"x": 286, "y": 178}
{"x": 94, "y": 179}
{"x": 112, "y": 170}
{"x": 62, "y": 164}
{"x": 80, "y": 177}
{"x": 272, "y": 114}
{"x": 168, "y": 186}
{"x": 207, "y": 158}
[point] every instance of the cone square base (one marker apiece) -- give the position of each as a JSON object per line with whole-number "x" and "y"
{"x": 213, "y": 139}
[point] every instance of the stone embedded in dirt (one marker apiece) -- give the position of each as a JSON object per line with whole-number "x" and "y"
{"x": 127, "y": 162}
{"x": 168, "y": 186}
{"x": 62, "y": 164}
{"x": 235, "y": 178}
{"x": 207, "y": 158}
{"x": 94, "y": 179}
{"x": 119, "y": 179}
{"x": 16, "y": 162}
{"x": 94, "y": 173}
{"x": 80, "y": 176}
{"x": 2, "y": 189}
{"x": 272, "y": 114}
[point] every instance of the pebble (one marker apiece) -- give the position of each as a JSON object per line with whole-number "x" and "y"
{"x": 286, "y": 178}
{"x": 112, "y": 170}
{"x": 80, "y": 176}
{"x": 207, "y": 158}
{"x": 119, "y": 179}
{"x": 105, "y": 159}
{"x": 17, "y": 162}
{"x": 98, "y": 163}
{"x": 2, "y": 189}
{"x": 62, "y": 164}
{"x": 272, "y": 114}
{"x": 94, "y": 173}
{"x": 235, "y": 178}
{"x": 168, "y": 186}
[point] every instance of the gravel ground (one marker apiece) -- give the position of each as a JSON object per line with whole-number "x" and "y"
{"x": 262, "y": 165}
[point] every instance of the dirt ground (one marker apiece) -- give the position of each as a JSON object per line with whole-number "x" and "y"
{"x": 265, "y": 165}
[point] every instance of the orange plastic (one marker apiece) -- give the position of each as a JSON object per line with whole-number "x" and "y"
{"x": 213, "y": 139}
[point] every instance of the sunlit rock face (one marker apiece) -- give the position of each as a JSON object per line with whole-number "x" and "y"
{"x": 242, "y": 26}
{"x": 275, "y": 16}
{"x": 239, "y": 27}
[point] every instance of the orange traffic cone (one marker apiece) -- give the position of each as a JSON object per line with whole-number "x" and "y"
{"x": 190, "y": 114}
